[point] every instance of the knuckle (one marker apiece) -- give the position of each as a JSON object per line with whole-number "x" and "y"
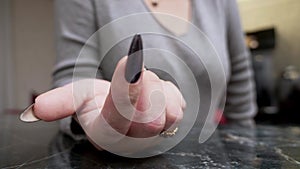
{"x": 175, "y": 117}
{"x": 154, "y": 128}
{"x": 151, "y": 76}
{"x": 169, "y": 83}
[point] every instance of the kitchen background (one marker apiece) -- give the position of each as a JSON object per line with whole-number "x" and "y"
{"x": 27, "y": 46}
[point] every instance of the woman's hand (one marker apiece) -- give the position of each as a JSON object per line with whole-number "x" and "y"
{"x": 142, "y": 109}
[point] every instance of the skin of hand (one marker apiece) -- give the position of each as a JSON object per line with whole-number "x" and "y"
{"x": 99, "y": 104}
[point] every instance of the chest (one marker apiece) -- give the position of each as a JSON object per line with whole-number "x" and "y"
{"x": 163, "y": 48}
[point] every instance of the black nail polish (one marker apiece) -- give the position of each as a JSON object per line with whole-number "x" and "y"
{"x": 134, "y": 65}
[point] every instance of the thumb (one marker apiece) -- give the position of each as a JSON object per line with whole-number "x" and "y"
{"x": 65, "y": 101}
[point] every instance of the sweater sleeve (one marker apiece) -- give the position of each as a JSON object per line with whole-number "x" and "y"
{"x": 240, "y": 104}
{"x": 75, "y": 23}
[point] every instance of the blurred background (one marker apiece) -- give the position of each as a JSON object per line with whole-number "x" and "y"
{"x": 27, "y": 54}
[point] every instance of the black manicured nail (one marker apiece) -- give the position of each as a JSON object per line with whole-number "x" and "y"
{"x": 134, "y": 65}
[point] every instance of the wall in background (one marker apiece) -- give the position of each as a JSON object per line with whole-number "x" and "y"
{"x": 7, "y": 98}
{"x": 32, "y": 47}
{"x": 282, "y": 14}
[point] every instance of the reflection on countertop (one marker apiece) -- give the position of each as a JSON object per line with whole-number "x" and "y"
{"x": 41, "y": 145}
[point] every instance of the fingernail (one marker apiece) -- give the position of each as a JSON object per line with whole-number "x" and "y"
{"x": 134, "y": 65}
{"x": 28, "y": 115}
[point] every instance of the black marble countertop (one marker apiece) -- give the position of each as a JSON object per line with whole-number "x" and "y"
{"x": 41, "y": 145}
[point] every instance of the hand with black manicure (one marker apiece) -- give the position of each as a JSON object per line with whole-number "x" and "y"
{"x": 135, "y": 103}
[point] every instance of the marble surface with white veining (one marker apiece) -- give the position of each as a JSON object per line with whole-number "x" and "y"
{"x": 41, "y": 145}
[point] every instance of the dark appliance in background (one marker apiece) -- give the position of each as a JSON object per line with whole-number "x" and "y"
{"x": 261, "y": 43}
{"x": 289, "y": 96}
{"x": 278, "y": 100}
